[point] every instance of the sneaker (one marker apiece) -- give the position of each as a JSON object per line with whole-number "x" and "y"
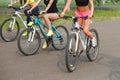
{"x": 25, "y": 34}
{"x": 44, "y": 45}
{"x": 50, "y": 33}
{"x": 30, "y": 23}
{"x": 94, "y": 42}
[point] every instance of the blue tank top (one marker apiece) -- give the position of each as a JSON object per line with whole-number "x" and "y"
{"x": 82, "y": 2}
{"x": 53, "y": 8}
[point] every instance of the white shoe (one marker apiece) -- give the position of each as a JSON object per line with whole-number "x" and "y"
{"x": 94, "y": 42}
{"x": 45, "y": 45}
{"x": 50, "y": 33}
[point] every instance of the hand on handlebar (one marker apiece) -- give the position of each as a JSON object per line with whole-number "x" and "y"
{"x": 62, "y": 14}
{"x": 42, "y": 12}
{"x": 29, "y": 11}
{"x": 21, "y": 7}
{"x": 10, "y": 5}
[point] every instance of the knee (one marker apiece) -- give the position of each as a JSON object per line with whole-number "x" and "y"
{"x": 45, "y": 16}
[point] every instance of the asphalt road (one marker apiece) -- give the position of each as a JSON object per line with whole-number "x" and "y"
{"x": 49, "y": 64}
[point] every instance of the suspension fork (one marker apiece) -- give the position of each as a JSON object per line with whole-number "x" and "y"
{"x": 31, "y": 34}
{"x": 76, "y": 42}
{"x": 12, "y": 23}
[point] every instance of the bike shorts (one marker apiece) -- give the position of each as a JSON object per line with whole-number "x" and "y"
{"x": 82, "y": 14}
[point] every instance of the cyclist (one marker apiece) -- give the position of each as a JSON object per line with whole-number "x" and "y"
{"x": 29, "y": 3}
{"x": 51, "y": 11}
{"x": 82, "y": 10}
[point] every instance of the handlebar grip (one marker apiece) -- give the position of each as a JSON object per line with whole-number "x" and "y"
{"x": 16, "y": 9}
{"x": 66, "y": 17}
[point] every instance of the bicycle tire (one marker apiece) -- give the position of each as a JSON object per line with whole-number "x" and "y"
{"x": 71, "y": 56}
{"x": 27, "y": 47}
{"x": 62, "y": 42}
{"x": 92, "y": 52}
{"x": 7, "y": 34}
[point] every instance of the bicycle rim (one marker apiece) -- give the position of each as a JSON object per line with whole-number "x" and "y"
{"x": 25, "y": 45}
{"x": 9, "y": 31}
{"x": 92, "y": 52}
{"x": 71, "y": 56}
{"x": 60, "y": 38}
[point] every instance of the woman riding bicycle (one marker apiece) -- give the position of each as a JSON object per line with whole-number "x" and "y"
{"x": 51, "y": 11}
{"x": 82, "y": 10}
{"x": 29, "y": 3}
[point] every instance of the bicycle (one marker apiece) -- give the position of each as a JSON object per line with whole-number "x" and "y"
{"x": 10, "y": 28}
{"x": 30, "y": 44}
{"x": 73, "y": 49}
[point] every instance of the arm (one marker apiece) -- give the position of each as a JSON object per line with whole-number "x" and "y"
{"x": 27, "y": 2}
{"x": 36, "y": 4}
{"x": 49, "y": 5}
{"x": 11, "y": 4}
{"x": 91, "y": 7}
{"x": 66, "y": 7}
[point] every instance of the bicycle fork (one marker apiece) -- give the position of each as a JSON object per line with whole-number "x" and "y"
{"x": 76, "y": 42}
{"x": 12, "y": 23}
{"x": 31, "y": 34}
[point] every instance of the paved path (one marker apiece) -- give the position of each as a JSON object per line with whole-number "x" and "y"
{"x": 49, "y": 64}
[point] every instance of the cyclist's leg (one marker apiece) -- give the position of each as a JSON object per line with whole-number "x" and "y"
{"x": 80, "y": 22}
{"x": 47, "y": 18}
{"x": 27, "y": 15}
{"x": 29, "y": 21}
{"x": 34, "y": 11}
{"x": 87, "y": 32}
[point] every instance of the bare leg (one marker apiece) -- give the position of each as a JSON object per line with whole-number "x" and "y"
{"x": 47, "y": 18}
{"x": 87, "y": 27}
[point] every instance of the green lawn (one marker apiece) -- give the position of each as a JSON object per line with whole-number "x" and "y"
{"x": 4, "y": 3}
{"x": 99, "y": 14}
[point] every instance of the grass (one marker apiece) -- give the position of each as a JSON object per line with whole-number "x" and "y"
{"x": 106, "y": 14}
{"x": 99, "y": 14}
{"x": 4, "y": 3}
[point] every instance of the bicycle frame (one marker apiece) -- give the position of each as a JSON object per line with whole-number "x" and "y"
{"x": 17, "y": 13}
{"x": 80, "y": 36}
{"x": 83, "y": 40}
{"x": 39, "y": 23}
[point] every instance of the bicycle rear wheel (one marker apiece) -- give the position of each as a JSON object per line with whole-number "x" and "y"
{"x": 60, "y": 38}
{"x": 25, "y": 43}
{"x": 71, "y": 56}
{"x": 92, "y": 52}
{"x": 9, "y": 30}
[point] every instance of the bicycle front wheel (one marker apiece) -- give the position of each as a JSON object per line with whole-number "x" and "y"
{"x": 92, "y": 52}
{"x": 9, "y": 30}
{"x": 29, "y": 44}
{"x": 60, "y": 38}
{"x": 71, "y": 56}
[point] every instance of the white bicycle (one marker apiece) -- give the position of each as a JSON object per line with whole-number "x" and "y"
{"x": 10, "y": 27}
{"x": 78, "y": 42}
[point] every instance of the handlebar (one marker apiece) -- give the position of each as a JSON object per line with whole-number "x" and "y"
{"x": 16, "y": 9}
{"x": 74, "y": 17}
